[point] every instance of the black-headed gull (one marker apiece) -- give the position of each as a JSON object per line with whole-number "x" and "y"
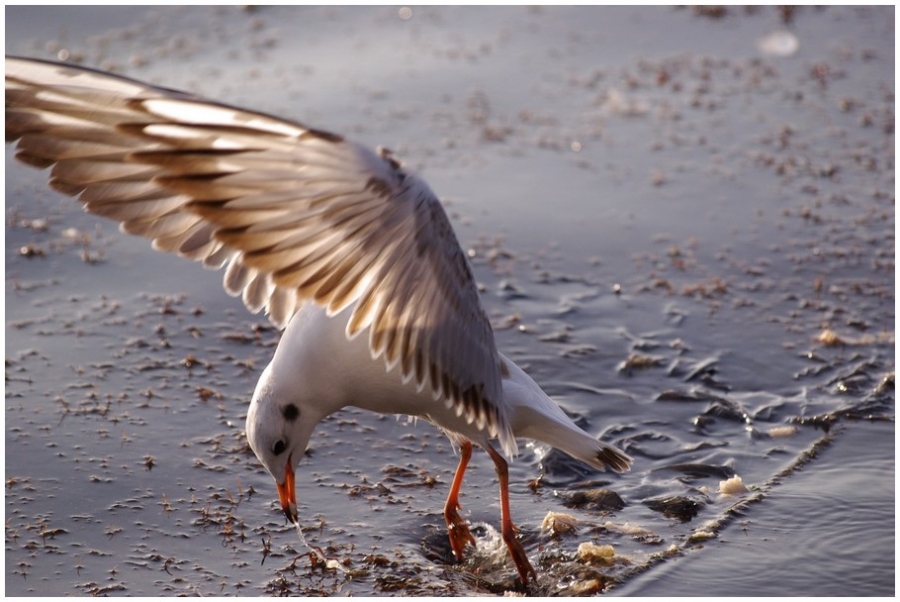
{"x": 330, "y": 238}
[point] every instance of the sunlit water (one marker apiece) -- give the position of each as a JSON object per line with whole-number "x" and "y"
{"x": 688, "y": 242}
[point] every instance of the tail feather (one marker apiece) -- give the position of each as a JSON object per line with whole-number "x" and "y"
{"x": 578, "y": 444}
{"x": 536, "y": 416}
{"x": 617, "y": 460}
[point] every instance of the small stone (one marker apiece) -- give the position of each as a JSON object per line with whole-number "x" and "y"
{"x": 782, "y": 431}
{"x": 599, "y": 500}
{"x": 558, "y": 523}
{"x": 592, "y": 553}
{"x": 732, "y": 486}
{"x": 678, "y": 507}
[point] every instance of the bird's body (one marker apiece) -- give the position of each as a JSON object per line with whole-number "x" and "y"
{"x": 319, "y": 370}
{"x": 348, "y": 250}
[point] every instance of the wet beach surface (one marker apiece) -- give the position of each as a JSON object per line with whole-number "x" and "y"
{"x": 683, "y": 223}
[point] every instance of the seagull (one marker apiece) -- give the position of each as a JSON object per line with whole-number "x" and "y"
{"x": 343, "y": 247}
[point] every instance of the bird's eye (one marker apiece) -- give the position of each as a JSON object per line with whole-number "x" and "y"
{"x": 278, "y": 447}
{"x": 290, "y": 412}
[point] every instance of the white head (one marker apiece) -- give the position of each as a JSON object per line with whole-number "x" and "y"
{"x": 279, "y": 426}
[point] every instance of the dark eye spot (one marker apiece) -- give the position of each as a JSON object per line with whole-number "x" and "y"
{"x": 290, "y": 412}
{"x": 279, "y": 447}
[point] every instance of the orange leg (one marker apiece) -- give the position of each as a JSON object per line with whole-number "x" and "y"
{"x": 508, "y": 529}
{"x": 457, "y": 528}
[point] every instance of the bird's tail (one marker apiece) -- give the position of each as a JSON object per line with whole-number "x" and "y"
{"x": 578, "y": 444}
{"x": 536, "y": 416}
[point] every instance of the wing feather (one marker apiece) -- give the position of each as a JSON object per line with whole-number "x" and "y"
{"x": 296, "y": 214}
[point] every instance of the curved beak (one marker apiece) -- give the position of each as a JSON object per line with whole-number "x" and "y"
{"x": 287, "y": 495}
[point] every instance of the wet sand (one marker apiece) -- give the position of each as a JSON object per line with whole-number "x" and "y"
{"x": 683, "y": 222}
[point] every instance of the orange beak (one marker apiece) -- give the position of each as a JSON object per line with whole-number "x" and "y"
{"x": 287, "y": 495}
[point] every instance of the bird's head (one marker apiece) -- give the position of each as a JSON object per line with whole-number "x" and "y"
{"x": 278, "y": 432}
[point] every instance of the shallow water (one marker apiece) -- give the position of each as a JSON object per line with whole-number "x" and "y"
{"x": 741, "y": 203}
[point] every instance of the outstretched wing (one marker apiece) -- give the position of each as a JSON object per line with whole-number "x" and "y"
{"x": 296, "y": 214}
